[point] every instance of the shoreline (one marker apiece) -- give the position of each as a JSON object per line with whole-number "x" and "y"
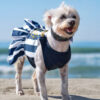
{"x": 74, "y": 50}
{"x": 79, "y": 89}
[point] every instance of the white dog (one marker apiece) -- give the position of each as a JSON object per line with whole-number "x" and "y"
{"x": 53, "y": 50}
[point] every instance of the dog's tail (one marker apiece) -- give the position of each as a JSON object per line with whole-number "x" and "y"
{"x": 19, "y": 35}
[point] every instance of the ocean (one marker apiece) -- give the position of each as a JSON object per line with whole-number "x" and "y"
{"x": 85, "y": 62}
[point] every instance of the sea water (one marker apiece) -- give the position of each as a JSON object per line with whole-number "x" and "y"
{"x": 81, "y": 65}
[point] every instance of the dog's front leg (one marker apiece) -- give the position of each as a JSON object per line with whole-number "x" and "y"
{"x": 41, "y": 82}
{"x": 64, "y": 85}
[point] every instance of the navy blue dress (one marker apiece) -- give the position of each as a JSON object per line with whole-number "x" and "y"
{"x": 52, "y": 58}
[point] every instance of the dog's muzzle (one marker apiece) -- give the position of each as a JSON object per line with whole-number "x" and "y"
{"x": 69, "y": 30}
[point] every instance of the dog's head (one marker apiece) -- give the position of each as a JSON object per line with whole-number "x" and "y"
{"x": 64, "y": 20}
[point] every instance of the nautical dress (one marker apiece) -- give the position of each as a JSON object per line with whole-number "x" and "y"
{"x": 25, "y": 42}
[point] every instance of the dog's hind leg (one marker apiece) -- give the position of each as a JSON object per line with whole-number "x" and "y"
{"x": 35, "y": 84}
{"x": 19, "y": 66}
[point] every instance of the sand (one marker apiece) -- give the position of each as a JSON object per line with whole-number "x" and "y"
{"x": 79, "y": 89}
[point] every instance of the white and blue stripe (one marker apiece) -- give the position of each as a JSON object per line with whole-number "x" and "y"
{"x": 23, "y": 42}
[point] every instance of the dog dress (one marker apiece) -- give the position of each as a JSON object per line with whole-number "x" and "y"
{"x": 25, "y": 42}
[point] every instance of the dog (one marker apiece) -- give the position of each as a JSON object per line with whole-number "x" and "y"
{"x": 53, "y": 50}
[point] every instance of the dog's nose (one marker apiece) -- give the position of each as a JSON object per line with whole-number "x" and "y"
{"x": 72, "y": 23}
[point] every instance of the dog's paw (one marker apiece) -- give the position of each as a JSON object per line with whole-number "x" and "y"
{"x": 37, "y": 93}
{"x": 20, "y": 92}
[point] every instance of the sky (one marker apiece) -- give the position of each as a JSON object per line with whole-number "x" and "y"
{"x": 13, "y": 12}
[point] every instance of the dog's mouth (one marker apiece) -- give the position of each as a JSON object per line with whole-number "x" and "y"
{"x": 69, "y": 30}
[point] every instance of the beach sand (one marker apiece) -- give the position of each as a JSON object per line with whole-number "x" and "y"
{"x": 79, "y": 89}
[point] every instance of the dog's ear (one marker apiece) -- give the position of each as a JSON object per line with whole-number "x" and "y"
{"x": 47, "y": 18}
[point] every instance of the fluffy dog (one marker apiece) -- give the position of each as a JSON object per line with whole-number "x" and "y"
{"x": 62, "y": 24}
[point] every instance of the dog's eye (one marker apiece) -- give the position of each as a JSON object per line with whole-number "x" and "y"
{"x": 74, "y": 16}
{"x": 63, "y": 16}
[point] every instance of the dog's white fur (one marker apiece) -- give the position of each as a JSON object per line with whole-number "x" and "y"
{"x": 59, "y": 26}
